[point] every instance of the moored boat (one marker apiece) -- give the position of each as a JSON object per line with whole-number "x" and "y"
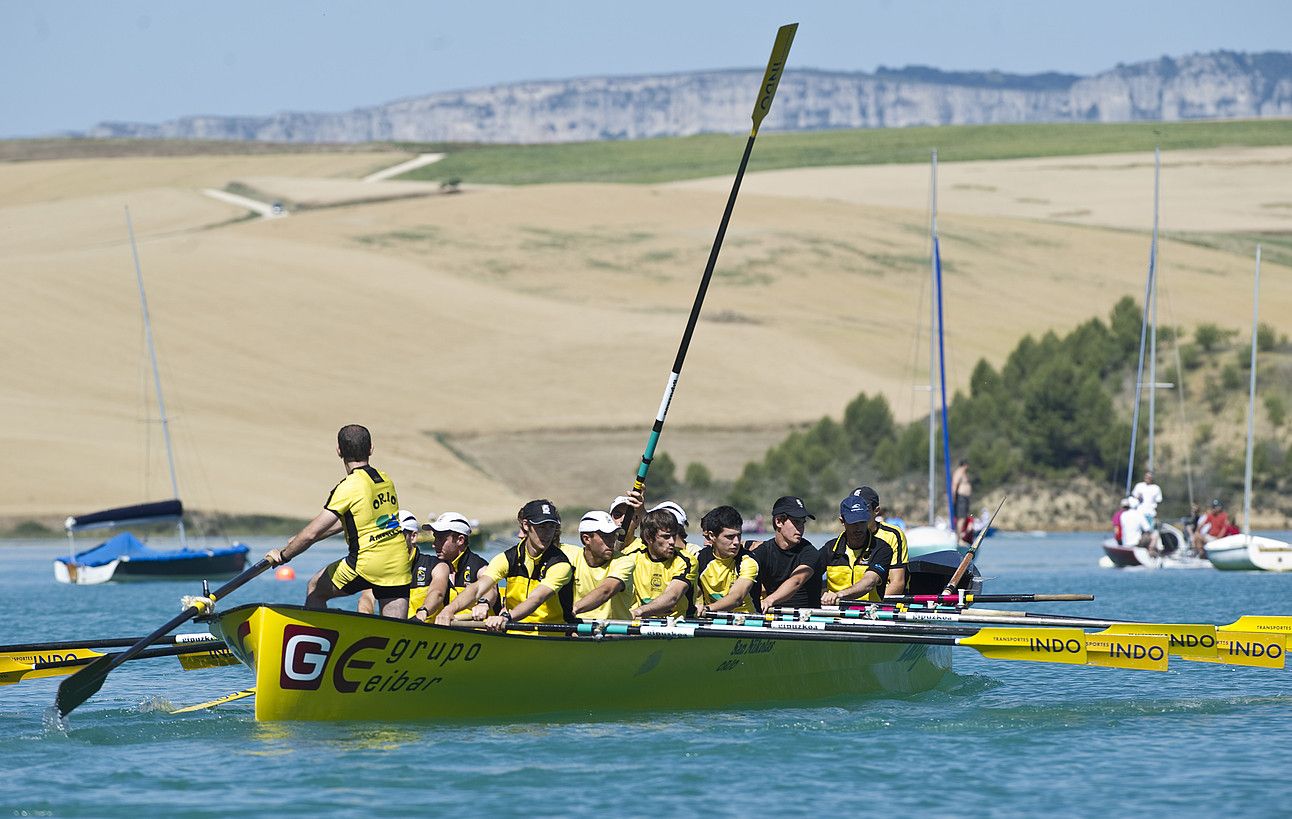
{"x": 1250, "y": 553}
{"x": 314, "y": 664}
{"x": 1175, "y": 553}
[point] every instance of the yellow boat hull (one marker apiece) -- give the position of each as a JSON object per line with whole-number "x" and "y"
{"x": 336, "y": 665}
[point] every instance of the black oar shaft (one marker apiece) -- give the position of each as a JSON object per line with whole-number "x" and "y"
{"x": 150, "y": 654}
{"x": 106, "y": 642}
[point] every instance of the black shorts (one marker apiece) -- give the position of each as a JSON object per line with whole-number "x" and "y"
{"x": 347, "y": 581}
{"x": 962, "y": 506}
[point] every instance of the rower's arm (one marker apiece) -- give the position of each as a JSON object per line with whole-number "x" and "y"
{"x": 530, "y": 604}
{"x": 438, "y": 591}
{"x": 792, "y": 583}
{"x": 896, "y": 583}
{"x": 665, "y": 602}
{"x": 739, "y": 590}
{"x": 868, "y": 582}
{"x": 598, "y": 596}
{"x": 325, "y": 524}
{"x": 466, "y": 598}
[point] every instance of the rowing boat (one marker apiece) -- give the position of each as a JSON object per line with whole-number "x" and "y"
{"x": 314, "y": 664}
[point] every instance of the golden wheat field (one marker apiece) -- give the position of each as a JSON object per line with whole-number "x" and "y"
{"x": 503, "y": 343}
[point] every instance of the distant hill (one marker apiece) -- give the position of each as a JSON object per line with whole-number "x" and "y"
{"x": 1221, "y": 84}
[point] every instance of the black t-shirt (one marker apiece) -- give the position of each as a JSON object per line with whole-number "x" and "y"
{"x": 469, "y": 566}
{"x": 775, "y": 565}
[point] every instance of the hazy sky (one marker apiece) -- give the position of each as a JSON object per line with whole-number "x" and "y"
{"x": 69, "y": 65}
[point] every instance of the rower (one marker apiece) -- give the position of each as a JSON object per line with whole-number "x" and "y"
{"x": 408, "y": 526}
{"x": 602, "y": 577}
{"x": 663, "y": 572}
{"x": 675, "y": 509}
{"x": 725, "y": 572}
{"x": 440, "y": 577}
{"x": 858, "y": 560}
{"x": 536, "y": 571}
{"x": 789, "y": 566}
{"x": 894, "y": 536}
{"x": 365, "y": 507}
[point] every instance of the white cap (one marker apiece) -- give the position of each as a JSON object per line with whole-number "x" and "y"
{"x": 598, "y": 521}
{"x": 450, "y": 522}
{"x": 672, "y": 507}
{"x": 619, "y": 500}
{"x": 407, "y": 521}
{"x": 1131, "y": 502}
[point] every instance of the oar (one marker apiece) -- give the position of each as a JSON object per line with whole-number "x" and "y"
{"x": 79, "y": 687}
{"x": 107, "y": 642}
{"x": 1201, "y": 642}
{"x": 202, "y": 706}
{"x": 964, "y": 598}
{"x": 967, "y": 560}
{"x": 766, "y": 91}
{"x": 1146, "y": 652}
{"x": 206, "y": 654}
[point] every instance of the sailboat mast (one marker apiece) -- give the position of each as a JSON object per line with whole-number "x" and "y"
{"x": 1152, "y": 355}
{"x": 1251, "y": 402}
{"x": 933, "y": 327}
{"x": 152, "y": 352}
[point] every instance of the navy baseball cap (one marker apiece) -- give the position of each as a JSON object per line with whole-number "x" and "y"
{"x": 791, "y": 506}
{"x": 854, "y": 509}
{"x": 540, "y": 511}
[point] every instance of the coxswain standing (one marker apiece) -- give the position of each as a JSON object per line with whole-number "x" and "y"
{"x": 365, "y": 507}
{"x": 538, "y": 575}
{"x": 408, "y": 526}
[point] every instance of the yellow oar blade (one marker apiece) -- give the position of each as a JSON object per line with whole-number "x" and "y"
{"x": 1144, "y": 652}
{"x": 772, "y": 76}
{"x": 1189, "y": 641}
{"x": 1261, "y": 624}
{"x": 17, "y": 666}
{"x": 1244, "y": 648}
{"x": 1038, "y": 645}
{"x": 202, "y": 706}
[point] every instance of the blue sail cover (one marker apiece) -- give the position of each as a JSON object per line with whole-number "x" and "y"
{"x": 155, "y": 512}
{"x": 128, "y": 546}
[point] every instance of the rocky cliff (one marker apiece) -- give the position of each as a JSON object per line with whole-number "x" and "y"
{"x": 1219, "y": 84}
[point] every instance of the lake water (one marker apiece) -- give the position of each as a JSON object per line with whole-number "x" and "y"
{"x": 996, "y": 739}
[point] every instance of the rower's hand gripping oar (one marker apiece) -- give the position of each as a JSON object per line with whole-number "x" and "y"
{"x": 82, "y": 685}
{"x": 771, "y": 79}
{"x": 967, "y": 560}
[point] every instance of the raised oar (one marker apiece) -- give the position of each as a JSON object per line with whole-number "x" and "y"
{"x": 82, "y": 685}
{"x": 967, "y": 560}
{"x": 766, "y": 91}
{"x": 206, "y": 654}
{"x": 964, "y": 598}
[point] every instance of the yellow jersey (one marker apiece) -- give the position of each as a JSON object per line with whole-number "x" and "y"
{"x": 462, "y": 573}
{"x": 845, "y": 566}
{"x": 651, "y": 577}
{"x": 587, "y": 578}
{"x": 716, "y": 575}
{"x": 523, "y": 573}
{"x": 365, "y": 502}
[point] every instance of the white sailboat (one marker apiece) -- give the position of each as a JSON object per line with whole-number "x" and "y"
{"x": 124, "y": 556}
{"x": 1173, "y": 545}
{"x": 1248, "y": 552}
{"x": 938, "y": 534}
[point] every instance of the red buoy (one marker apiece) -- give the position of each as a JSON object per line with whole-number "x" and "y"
{"x": 285, "y": 573}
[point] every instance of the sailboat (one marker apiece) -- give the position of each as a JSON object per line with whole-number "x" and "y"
{"x": 1248, "y": 552}
{"x": 1174, "y": 552}
{"x": 124, "y": 556}
{"x": 937, "y": 535}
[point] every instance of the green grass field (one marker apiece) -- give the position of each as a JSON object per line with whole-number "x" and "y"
{"x": 673, "y": 158}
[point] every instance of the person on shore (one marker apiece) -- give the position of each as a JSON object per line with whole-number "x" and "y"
{"x": 1214, "y": 525}
{"x": 537, "y": 573}
{"x": 725, "y": 572}
{"x": 858, "y": 560}
{"x": 891, "y": 533}
{"x": 439, "y": 577}
{"x": 602, "y": 577}
{"x": 663, "y": 572}
{"x": 1135, "y": 528}
{"x": 1149, "y": 496}
{"x": 364, "y": 505}
{"x": 789, "y": 566}
{"x": 408, "y": 525}
{"x": 962, "y": 489}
